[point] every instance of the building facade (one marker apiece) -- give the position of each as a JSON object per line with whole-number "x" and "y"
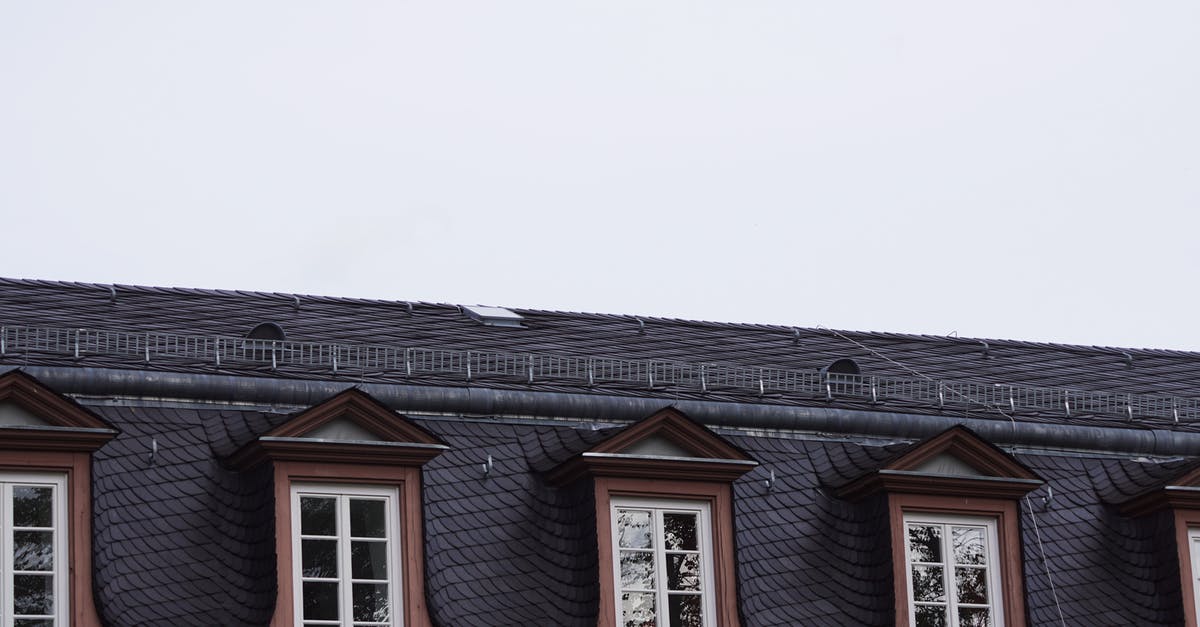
{"x": 192, "y": 457}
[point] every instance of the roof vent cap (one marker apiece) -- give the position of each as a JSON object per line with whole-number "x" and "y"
{"x": 260, "y": 343}
{"x": 842, "y": 366}
{"x": 493, "y": 316}
{"x": 267, "y": 331}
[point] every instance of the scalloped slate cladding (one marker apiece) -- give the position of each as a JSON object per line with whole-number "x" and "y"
{"x": 184, "y": 541}
{"x": 181, "y": 539}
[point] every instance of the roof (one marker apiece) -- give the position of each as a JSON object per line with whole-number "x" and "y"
{"x": 649, "y": 351}
{"x": 182, "y": 537}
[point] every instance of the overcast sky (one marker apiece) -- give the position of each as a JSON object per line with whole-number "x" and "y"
{"x": 1026, "y": 169}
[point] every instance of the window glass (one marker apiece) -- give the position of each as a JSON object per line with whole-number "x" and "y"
{"x": 32, "y": 537}
{"x": 953, "y": 571}
{"x": 346, "y": 543}
{"x": 663, "y": 565}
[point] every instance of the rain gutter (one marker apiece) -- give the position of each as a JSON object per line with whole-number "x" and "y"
{"x": 292, "y": 393}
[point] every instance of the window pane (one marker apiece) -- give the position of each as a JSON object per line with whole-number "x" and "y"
{"x": 319, "y": 558}
{"x": 637, "y": 609}
{"x": 318, "y": 516}
{"x": 32, "y": 506}
{"x": 320, "y": 601}
{"x": 368, "y": 560}
{"x": 33, "y": 622}
{"x": 931, "y": 616}
{"x": 367, "y": 518}
{"x": 33, "y": 550}
{"x": 974, "y": 617}
{"x": 928, "y": 584}
{"x": 371, "y": 602}
{"x": 684, "y": 610}
{"x": 683, "y": 572}
{"x": 971, "y": 584}
{"x": 969, "y": 547}
{"x": 925, "y": 543}
{"x": 637, "y": 570}
{"x": 33, "y": 594}
{"x": 634, "y": 529}
{"x": 679, "y": 532}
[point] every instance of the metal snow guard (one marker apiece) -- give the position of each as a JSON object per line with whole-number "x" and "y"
{"x": 390, "y": 362}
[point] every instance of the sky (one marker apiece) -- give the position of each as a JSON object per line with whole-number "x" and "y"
{"x": 1023, "y": 170}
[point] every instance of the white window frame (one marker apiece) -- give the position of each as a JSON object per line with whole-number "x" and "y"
{"x": 994, "y": 581}
{"x": 395, "y": 551}
{"x": 1193, "y": 539}
{"x": 61, "y": 570}
{"x": 704, "y": 543}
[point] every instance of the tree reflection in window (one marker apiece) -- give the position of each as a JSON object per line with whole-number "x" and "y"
{"x": 949, "y": 572}
{"x": 660, "y": 567}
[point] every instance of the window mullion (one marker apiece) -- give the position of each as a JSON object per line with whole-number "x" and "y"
{"x": 948, "y": 574}
{"x": 346, "y": 597}
{"x": 660, "y": 567}
{"x": 6, "y": 556}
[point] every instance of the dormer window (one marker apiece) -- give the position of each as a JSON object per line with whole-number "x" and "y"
{"x": 46, "y": 443}
{"x": 347, "y": 513}
{"x": 956, "y": 553}
{"x": 664, "y": 520}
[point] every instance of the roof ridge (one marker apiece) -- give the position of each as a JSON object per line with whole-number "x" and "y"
{"x": 791, "y": 329}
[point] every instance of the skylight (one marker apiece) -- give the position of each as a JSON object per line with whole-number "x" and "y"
{"x": 493, "y": 316}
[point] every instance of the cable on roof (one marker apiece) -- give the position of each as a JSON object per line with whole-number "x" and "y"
{"x": 1045, "y": 562}
{"x": 916, "y": 373}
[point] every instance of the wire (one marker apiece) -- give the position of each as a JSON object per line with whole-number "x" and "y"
{"x": 1045, "y": 562}
{"x": 916, "y": 373}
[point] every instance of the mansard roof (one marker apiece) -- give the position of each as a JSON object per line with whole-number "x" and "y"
{"x": 622, "y": 354}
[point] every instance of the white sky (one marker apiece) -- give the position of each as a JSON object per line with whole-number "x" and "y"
{"x": 1024, "y": 169}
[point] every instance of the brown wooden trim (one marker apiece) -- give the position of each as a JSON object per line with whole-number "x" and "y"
{"x": 64, "y": 439}
{"x": 407, "y": 479}
{"x": 675, "y": 426}
{"x": 361, "y": 409}
{"x": 1185, "y": 519}
{"x": 337, "y": 452}
{"x": 719, "y": 496}
{"x": 1007, "y": 528}
{"x": 680, "y": 469}
{"x": 43, "y": 402}
{"x": 1173, "y": 496}
{"x": 921, "y": 483}
{"x": 970, "y": 449}
{"x": 77, "y": 467}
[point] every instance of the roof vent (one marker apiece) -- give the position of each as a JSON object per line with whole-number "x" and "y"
{"x": 267, "y": 331}
{"x": 842, "y": 366}
{"x": 260, "y": 343}
{"x": 493, "y": 316}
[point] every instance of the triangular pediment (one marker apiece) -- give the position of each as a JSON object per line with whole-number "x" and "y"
{"x": 666, "y": 444}
{"x": 35, "y": 417}
{"x": 25, "y": 401}
{"x": 349, "y": 427}
{"x": 954, "y": 461}
{"x": 353, "y": 415}
{"x": 1180, "y": 491}
{"x": 671, "y": 429}
{"x": 959, "y": 451}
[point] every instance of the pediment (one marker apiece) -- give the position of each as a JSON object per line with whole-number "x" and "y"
{"x": 1180, "y": 492}
{"x": 956, "y": 461}
{"x": 667, "y": 444}
{"x": 349, "y": 427}
{"x": 33, "y": 416}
